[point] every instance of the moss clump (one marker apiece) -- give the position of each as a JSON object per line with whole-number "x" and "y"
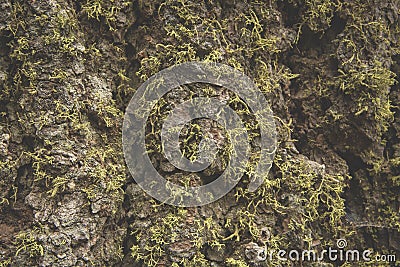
{"x": 151, "y": 243}
{"x": 5, "y": 263}
{"x": 104, "y": 170}
{"x": 300, "y": 201}
{"x": 235, "y": 263}
{"x": 106, "y": 10}
{"x": 316, "y": 14}
{"x": 301, "y": 196}
{"x": 191, "y": 34}
{"x": 369, "y": 87}
{"x": 26, "y": 242}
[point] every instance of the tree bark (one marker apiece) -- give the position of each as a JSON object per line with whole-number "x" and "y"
{"x": 68, "y": 70}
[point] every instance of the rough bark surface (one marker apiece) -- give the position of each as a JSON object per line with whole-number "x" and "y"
{"x": 69, "y": 68}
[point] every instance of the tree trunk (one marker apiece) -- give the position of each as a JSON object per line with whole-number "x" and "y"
{"x": 69, "y": 69}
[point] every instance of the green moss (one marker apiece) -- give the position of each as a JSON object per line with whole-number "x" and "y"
{"x": 316, "y": 14}
{"x": 107, "y": 10}
{"x": 231, "y": 262}
{"x": 41, "y": 161}
{"x": 107, "y": 173}
{"x": 5, "y": 263}
{"x": 27, "y": 243}
{"x": 270, "y": 76}
{"x": 17, "y": 10}
{"x": 198, "y": 260}
{"x": 189, "y": 36}
{"x": 301, "y": 197}
{"x": 152, "y": 242}
{"x": 369, "y": 87}
{"x": 315, "y": 198}
{"x": 373, "y": 79}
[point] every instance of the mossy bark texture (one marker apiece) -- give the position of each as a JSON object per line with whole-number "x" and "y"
{"x": 328, "y": 69}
